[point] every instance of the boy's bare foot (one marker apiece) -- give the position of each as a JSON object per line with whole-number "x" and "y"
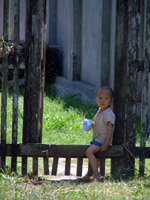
{"x": 86, "y": 176}
{"x": 97, "y": 178}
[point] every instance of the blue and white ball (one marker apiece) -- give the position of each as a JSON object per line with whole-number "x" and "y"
{"x": 86, "y": 124}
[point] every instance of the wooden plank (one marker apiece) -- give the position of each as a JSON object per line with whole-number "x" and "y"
{"x": 79, "y": 166}
{"x": 73, "y": 151}
{"x": 24, "y": 165}
{"x": 139, "y": 152}
{"x": 55, "y": 166}
{"x": 90, "y": 173}
{"x": 4, "y": 71}
{"x": 126, "y": 55}
{"x": 145, "y": 54}
{"x": 142, "y": 57}
{"x": 102, "y": 166}
{"x": 120, "y": 76}
{"x": 35, "y": 166}
{"x": 131, "y": 83}
{"x": 46, "y": 165}
{"x": 34, "y": 70}
{"x": 15, "y": 82}
{"x": 67, "y": 166}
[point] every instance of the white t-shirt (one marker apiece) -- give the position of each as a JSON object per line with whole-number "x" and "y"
{"x": 101, "y": 119}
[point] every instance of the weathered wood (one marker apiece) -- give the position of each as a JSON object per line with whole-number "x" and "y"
{"x": 34, "y": 70}
{"x": 90, "y": 172}
{"x": 102, "y": 166}
{"x": 62, "y": 151}
{"x": 4, "y": 71}
{"x": 139, "y": 152}
{"x": 15, "y": 82}
{"x": 45, "y": 151}
{"x": 120, "y": 77}
{"x": 35, "y": 166}
{"x": 131, "y": 82}
{"x": 4, "y": 98}
{"x": 126, "y": 53}
{"x": 67, "y": 166}
{"x": 46, "y": 165}
{"x": 145, "y": 55}
{"x": 55, "y": 166}
{"x": 79, "y": 166}
{"x": 24, "y": 165}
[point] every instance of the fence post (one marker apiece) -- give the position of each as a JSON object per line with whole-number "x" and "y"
{"x": 15, "y": 82}
{"x": 131, "y": 88}
{"x": 145, "y": 56}
{"x": 4, "y": 82}
{"x": 34, "y": 72}
{"x": 125, "y": 81}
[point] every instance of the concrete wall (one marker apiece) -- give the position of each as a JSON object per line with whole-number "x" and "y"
{"x": 91, "y": 41}
{"x": 85, "y": 37}
{"x": 64, "y": 8}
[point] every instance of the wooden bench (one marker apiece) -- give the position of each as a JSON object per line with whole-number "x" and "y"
{"x": 58, "y": 151}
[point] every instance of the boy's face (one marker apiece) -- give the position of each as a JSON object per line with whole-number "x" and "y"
{"x": 104, "y": 99}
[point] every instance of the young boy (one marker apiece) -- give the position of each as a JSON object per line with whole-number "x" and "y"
{"x": 103, "y": 127}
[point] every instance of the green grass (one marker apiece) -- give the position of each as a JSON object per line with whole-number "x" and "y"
{"x": 62, "y": 119}
{"x": 15, "y": 188}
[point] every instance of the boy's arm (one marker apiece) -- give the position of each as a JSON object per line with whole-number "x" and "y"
{"x": 109, "y": 134}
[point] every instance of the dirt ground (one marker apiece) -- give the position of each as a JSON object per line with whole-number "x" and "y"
{"x": 61, "y": 170}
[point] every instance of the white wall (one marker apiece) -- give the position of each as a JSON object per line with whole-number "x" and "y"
{"x": 91, "y": 41}
{"x": 63, "y": 32}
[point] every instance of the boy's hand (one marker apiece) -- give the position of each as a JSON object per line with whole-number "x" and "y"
{"x": 92, "y": 126}
{"x": 104, "y": 147}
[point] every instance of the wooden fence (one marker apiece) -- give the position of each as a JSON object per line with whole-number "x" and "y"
{"x": 124, "y": 151}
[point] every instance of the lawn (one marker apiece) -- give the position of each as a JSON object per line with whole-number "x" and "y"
{"x": 15, "y": 188}
{"x": 62, "y": 119}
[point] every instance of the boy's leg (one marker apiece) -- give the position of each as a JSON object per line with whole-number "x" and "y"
{"x": 88, "y": 174}
{"x": 93, "y": 161}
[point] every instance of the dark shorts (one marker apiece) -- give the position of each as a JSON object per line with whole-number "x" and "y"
{"x": 96, "y": 143}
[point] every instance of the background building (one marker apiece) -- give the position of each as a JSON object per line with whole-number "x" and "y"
{"x": 84, "y": 32}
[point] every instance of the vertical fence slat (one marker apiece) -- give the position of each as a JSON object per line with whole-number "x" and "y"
{"x": 35, "y": 166}
{"x": 34, "y": 71}
{"x": 55, "y": 166}
{"x": 15, "y": 82}
{"x": 144, "y": 104}
{"x": 120, "y": 78}
{"x": 90, "y": 173}
{"x": 102, "y": 166}
{"x": 24, "y": 165}
{"x": 142, "y": 57}
{"x": 67, "y": 166}
{"x": 4, "y": 81}
{"x": 131, "y": 84}
{"x": 46, "y": 165}
{"x": 79, "y": 166}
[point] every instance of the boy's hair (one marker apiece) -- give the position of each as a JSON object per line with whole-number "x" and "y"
{"x": 107, "y": 88}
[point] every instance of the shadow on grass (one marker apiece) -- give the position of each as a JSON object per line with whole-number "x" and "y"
{"x": 79, "y": 181}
